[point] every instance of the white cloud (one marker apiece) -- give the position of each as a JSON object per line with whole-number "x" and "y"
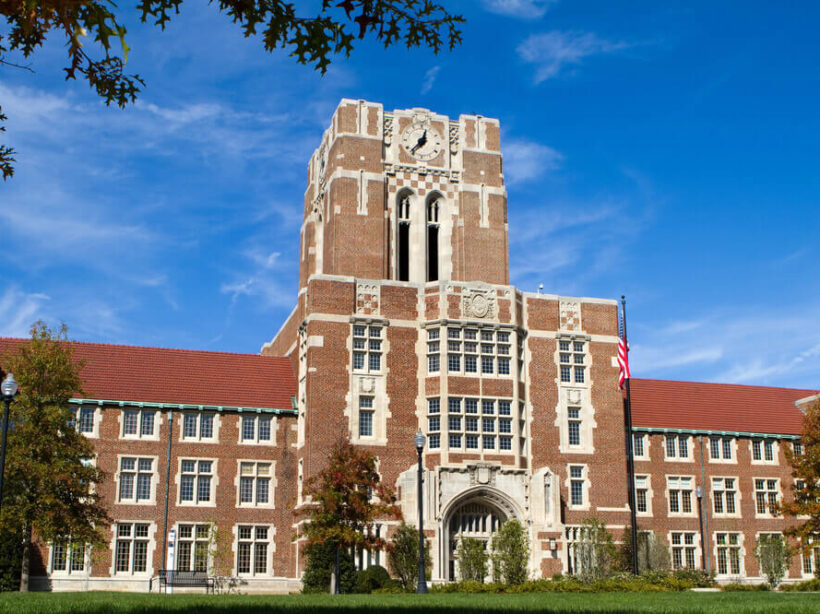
{"x": 552, "y": 51}
{"x": 19, "y": 310}
{"x": 429, "y": 79}
{"x": 525, "y": 160}
{"x": 526, "y": 9}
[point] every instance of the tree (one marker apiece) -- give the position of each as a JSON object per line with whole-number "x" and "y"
{"x": 403, "y": 556}
{"x": 805, "y": 501}
{"x": 773, "y": 556}
{"x": 312, "y": 38}
{"x": 472, "y": 559}
{"x": 49, "y": 491}
{"x": 321, "y": 561}
{"x": 348, "y": 497}
{"x": 511, "y": 550}
{"x": 595, "y": 552}
{"x": 652, "y": 552}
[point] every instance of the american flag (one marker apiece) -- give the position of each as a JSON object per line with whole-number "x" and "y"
{"x": 623, "y": 359}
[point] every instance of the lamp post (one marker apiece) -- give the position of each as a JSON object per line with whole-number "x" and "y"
{"x": 699, "y": 493}
{"x": 9, "y": 391}
{"x": 420, "y": 440}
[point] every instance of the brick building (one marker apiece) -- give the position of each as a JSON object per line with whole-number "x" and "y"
{"x": 405, "y": 319}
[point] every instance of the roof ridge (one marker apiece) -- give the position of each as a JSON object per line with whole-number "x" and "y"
{"x": 152, "y": 347}
{"x": 756, "y": 386}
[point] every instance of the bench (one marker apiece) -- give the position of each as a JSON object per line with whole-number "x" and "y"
{"x": 185, "y": 579}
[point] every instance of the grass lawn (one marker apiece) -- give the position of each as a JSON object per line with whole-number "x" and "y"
{"x": 103, "y": 603}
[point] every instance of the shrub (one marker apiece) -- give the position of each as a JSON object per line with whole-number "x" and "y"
{"x": 403, "y": 556}
{"x": 773, "y": 555}
{"x": 472, "y": 559}
{"x": 809, "y": 585}
{"x": 321, "y": 561}
{"x": 745, "y": 588}
{"x": 652, "y": 552}
{"x": 371, "y": 579}
{"x": 511, "y": 550}
{"x": 595, "y": 552}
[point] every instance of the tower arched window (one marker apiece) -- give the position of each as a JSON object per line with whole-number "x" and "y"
{"x": 403, "y": 239}
{"x": 432, "y": 239}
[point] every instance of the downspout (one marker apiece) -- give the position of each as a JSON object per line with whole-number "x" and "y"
{"x": 167, "y": 488}
{"x": 704, "y": 525}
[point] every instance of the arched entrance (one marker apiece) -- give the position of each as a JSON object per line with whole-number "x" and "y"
{"x": 478, "y": 515}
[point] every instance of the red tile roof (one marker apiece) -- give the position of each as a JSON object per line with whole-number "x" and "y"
{"x": 716, "y": 407}
{"x": 159, "y": 375}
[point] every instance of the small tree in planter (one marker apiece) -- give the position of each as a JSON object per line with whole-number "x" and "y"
{"x": 773, "y": 556}
{"x": 511, "y": 550}
{"x": 472, "y": 559}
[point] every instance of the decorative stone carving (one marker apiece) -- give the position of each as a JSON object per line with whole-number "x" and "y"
{"x": 454, "y": 138}
{"x": 574, "y": 396}
{"x": 388, "y": 129}
{"x": 367, "y": 385}
{"x": 481, "y": 480}
{"x": 483, "y": 474}
{"x": 478, "y": 303}
{"x": 368, "y": 297}
{"x": 570, "y": 312}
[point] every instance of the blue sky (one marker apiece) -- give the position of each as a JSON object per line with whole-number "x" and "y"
{"x": 666, "y": 151}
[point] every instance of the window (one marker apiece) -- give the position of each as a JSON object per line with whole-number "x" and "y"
{"x": 728, "y": 553}
{"x": 432, "y": 240}
{"x": 403, "y": 239}
{"x": 638, "y": 445}
{"x": 763, "y": 450}
{"x": 680, "y": 494}
{"x": 192, "y": 547}
{"x": 434, "y": 423}
{"x": 256, "y": 429}
{"x": 365, "y": 416}
{"x": 724, "y": 493}
{"x": 574, "y": 425}
{"x": 677, "y": 446}
{"x": 720, "y": 448}
{"x": 811, "y": 557}
{"x": 766, "y": 495}
{"x": 136, "y": 475}
{"x": 195, "y": 481}
{"x": 138, "y": 423}
{"x": 576, "y": 485}
{"x": 84, "y": 419}
{"x": 491, "y": 431}
{"x": 68, "y": 556}
{"x": 197, "y": 426}
{"x": 469, "y": 349}
{"x": 254, "y": 483}
{"x": 131, "y": 547}
{"x": 252, "y": 550}
{"x": 683, "y": 550}
{"x": 367, "y": 348}
{"x": 797, "y": 447}
{"x": 572, "y": 361}
{"x": 641, "y": 490}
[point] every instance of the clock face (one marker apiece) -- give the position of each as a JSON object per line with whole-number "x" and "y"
{"x": 421, "y": 141}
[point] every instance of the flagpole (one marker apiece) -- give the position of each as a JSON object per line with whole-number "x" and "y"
{"x": 630, "y": 460}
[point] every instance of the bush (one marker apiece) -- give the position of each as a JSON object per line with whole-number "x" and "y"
{"x": 745, "y": 588}
{"x": 321, "y": 561}
{"x": 371, "y": 579}
{"x": 472, "y": 559}
{"x": 403, "y": 556}
{"x": 595, "y": 552}
{"x": 652, "y": 552}
{"x": 511, "y": 550}
{"x": 812, "y": 585}
{"x": 773, "y": 555}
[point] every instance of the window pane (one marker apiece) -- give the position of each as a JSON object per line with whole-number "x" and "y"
{"x": 129, "y": 425}
{"x": 262, "y": 485}
{"x": 206, "y": 426}
{"x": 86, "y": 424}
{"x": 147, "y": 423}
{"x": 248, "y": 428}
{"x": 189, "y": 425}
{"x": 264, "y": 428}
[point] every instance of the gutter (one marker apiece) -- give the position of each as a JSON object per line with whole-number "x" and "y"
{"x": 652, "y": 429}
{"x": 291, "y": 411}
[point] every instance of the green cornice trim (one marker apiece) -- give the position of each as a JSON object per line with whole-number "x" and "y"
{"x": 650, "y": 429}
{"x": 187, "y": 406}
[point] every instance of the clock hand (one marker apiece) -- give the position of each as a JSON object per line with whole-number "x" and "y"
{"x": 420, "y": 143}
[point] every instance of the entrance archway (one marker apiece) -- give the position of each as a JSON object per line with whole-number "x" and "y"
{"x": 478, "y": 515}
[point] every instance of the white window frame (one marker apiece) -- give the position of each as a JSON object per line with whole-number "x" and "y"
{"x": 138, "y": 435}
{"x": 585, "y": 486}
{"x": 198, "y": 438}
{"x": 722, "y": 439}
{"x": 214, "y": 476}
{"x": 644, "y": 482}
{"x": 193, "y": 540}
{"x": 270, "y": 541}
{"x": 571, "y": 357}
{"x": 152, "y": 500}
{"x": 741, "y": 554}
{"x": 677, "y": 458}
{"x": 68, "y": 568}
{"x": 257, "y": 418}
{"x": 96, "y": 418}
{"x": 150, "y": 548}
{"x": 676, "y": 482}
{"x": 373, "y": 344}
{"x": 767, "y": 492}
{"x": 645, "y": 442}
{"x": 695, "y": 547}
{"x": 256, "y": 475}
{"x": 713, "y": 498}
{"x": 763, "y": 443}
